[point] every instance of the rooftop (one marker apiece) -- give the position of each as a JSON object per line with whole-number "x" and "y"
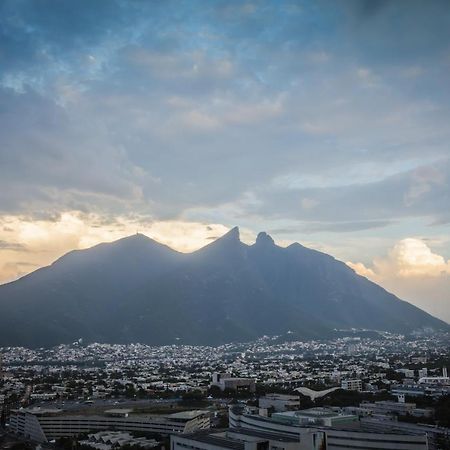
{"x": 216, "y": 439}
{"x": 119, "y": 411}
{"x": 38, "y": 411}
{"x": 187, "y": 415}
{"x": 312, "y": 412}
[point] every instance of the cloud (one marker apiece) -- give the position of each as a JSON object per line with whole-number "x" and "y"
{"x": 344, "y": 227}
{"x": 14, "y": 246}
{"x": 327, "y": 120}
{"x": 47, "y": 239}
{"x": 361, "y": 269}
{"x": 358, "y": 205}
{"x": 150, "y": 108}
{"x": 412, "y": 257}
{"x": 414, "y": 272}
{"x": 408, "y": 258}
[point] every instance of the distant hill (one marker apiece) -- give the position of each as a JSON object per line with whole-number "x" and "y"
{"x": 137, "y": 290}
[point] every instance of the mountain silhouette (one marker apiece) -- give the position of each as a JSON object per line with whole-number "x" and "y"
{"x": 138, "y": 290}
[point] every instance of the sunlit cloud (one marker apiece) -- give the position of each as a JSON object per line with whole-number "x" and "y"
{"x": 27, "y": 243}
{"x": 409, "y": 258}
{"x": 414, "y": 272}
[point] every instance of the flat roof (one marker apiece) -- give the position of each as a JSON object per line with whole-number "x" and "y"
{"x": 278, "y": 436}
{"x": 215, "y": 440}
{"x": 187, "y": 415}
{"x": 119, "y": 411}
{"x": 38, "y": 411}
{"x": 313, "y": 412}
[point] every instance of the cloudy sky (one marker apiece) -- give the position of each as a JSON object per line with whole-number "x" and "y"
{"x": 322, "y": 122}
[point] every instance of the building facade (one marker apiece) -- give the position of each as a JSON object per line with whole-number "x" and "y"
{"x": 42, "y": 425}
{"x": 336, "y": 438}
{"x": 352, "y": 385}
{"x": 280, "y": 402}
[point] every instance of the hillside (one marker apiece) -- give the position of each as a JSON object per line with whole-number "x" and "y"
{"x": 136, "y": 289}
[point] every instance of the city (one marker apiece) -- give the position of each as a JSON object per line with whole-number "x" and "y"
{"x": 224, "y": 224}
{"x": 377, "y": 383}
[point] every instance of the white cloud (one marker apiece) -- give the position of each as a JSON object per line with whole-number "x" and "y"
{"x": 415, "y": 273}
{"x": 409, "y": 257}
{"x": 40, "y": 242}
{"x": 361, "y": 269}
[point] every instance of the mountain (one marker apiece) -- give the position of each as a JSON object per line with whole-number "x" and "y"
{"x": 138, "y": 290}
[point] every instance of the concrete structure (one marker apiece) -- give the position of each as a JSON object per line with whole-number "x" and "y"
{"x": 419, "y": 390}
{"x": 244, "y": 439}
{"x": 352, "y": 385}
{"x": 42, "y": 425}
{"x": 337, "y": 438}
{"x": 118, "y": 412}
{"x": 106, "y": 440}
{"x": 395, "y": 408}
{"x": 315, "y": 394}
{"x": 227, "y": 381}
{"x": 435, "y": 381}
{"x": 315, "y": 417}
{"x": 280, "y": 402}
{"x": 419, "y": 359}
{"x": 408, "y": 373}
{"x": 393, "y": 426}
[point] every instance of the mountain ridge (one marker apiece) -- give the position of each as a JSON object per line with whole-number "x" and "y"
{"x": 136, "y": 289}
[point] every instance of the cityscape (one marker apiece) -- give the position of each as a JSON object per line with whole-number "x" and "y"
{"x": 364, "y": 386}
{"x": 224, "y": 224}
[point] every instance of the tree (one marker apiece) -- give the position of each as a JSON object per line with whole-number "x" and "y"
{"x": 442, "y": 411}
{"x": 193, "y": 397}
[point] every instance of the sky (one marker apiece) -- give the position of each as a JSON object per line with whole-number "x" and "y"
{"x": 322, "y": 122}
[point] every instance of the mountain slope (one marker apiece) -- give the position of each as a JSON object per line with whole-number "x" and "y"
{"x": 76, "y": 295}
{"x": 136, "y": 289}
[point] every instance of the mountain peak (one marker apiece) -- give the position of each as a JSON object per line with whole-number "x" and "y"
{"x": 137, "y": 237}
{"x": 230, "y": 241}
{"x": 135, "y": 240}
{"x": 264, "y": 239}
{"x": 232, "y": 235}
{"x": 136, "y": 290}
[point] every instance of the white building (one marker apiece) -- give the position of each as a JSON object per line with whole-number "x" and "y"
{"x": 244, "y": 439}
{"x": 279, "y": 402}
{"x": 227, "y": 381}
{"x": 42, "y": 425}
{"x": 337, "y": 436}
{"x": 352, "y": 385}
{"x": 400, "y": 408}
{"x": 116, "y": 439}
{"x": 441, "y": 381}
{"x": 423, "y": 372}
